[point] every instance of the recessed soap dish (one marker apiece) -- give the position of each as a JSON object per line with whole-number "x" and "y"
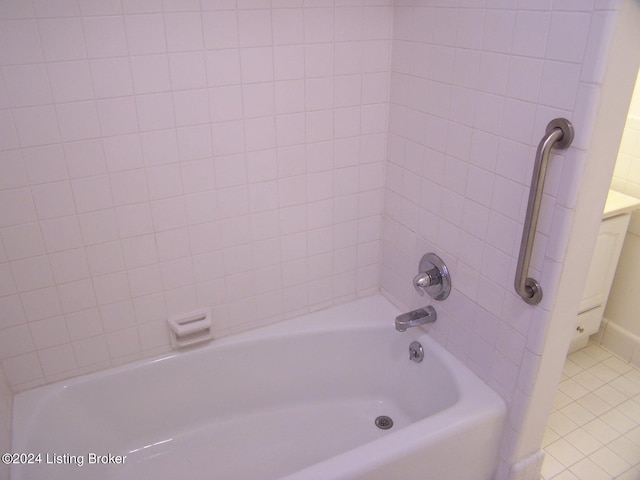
{"x": 190, "y": 329}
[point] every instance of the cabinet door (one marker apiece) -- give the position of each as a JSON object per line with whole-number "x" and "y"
{"x": 604, "y": 262}
{"x": 588, "y": 323}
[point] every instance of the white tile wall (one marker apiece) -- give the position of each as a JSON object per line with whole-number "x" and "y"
{"x": 472, "y": 89}
{"x": 160, "y": 156}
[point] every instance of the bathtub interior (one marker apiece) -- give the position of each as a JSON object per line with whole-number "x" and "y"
{"x": 259, "y": 405}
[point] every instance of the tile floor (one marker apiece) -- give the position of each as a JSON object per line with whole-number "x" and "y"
{"x": 593, "y": 432}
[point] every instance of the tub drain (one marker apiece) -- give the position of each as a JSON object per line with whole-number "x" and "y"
{"x": 383, "y": 422}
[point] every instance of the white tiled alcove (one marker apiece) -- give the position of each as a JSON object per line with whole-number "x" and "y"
{"x": 270, "y": 157}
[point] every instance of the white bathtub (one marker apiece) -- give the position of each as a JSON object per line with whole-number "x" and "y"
{"x": 295, "y": 400}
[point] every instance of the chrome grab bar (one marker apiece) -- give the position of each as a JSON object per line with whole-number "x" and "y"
{"x": 559, "y": 134}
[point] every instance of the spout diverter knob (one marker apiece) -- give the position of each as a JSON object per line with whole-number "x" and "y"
{"x": 433, "y": 277}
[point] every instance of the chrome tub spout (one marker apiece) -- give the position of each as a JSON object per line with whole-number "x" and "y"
{"x": 415, "y": 318}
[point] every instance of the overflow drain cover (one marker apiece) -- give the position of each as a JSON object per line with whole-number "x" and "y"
{"x": 383, "y": 422}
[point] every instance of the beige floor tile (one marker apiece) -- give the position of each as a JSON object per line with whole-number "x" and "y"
{"x": 634, "y": 436}
{"x": 597, "y": 352}
{"x": 571, "y": 368}
{"x": 551, "y": 467}
{"x": 610, "y": 461}
{"x": 564, "y": 452}
{"x": 618, "y": 421}
{"x": 582, "y": 359}
{"x": 549, "y": 437}
{"x": 631, "y": 409}
{"x": 626, "y": 449}
{"x": 594, "y": 404}
{"x": 603, "y": 372}
{"x": 600, "y": 430}
{"x": 578, "y": 414}
{"x": 561, "y": 400}
{"x": 566, "y": 475}
{"x": 584, "y": 441}
{"x": 611, "y": 395}
{"x": 593, "y": 432}
{"x": 561, "y": 424}
{"x": 588, "y": 470}
{"x": 618, "y": 365}
{"x": 631, "y": 474}
{"x": 572, "y": 389}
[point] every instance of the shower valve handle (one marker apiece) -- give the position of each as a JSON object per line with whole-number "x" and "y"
{"x": 426, "y": 279}
{"x": 433, "y": 277}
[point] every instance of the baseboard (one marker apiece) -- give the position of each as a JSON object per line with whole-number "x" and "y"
{"x": 621, "y": 342}
{"x": 528, "y": 468}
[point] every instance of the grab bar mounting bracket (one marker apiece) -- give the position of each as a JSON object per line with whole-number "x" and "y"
{"x": 567, "y": 132}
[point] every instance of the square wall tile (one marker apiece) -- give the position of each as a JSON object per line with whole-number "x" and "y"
{"x": 184, "y": 31}
{"x": 105, "y": 36}
{"x": 36, "y": 126}
{"x": 62, "y": 39}
{"x": 27, "y": 85}
{"x": 145, "y": 33}
{"x": 111, "y": 77}
{"x": 23, "y": 36}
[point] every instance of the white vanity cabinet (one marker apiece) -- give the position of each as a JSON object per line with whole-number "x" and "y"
{"x": 611, "y": 237}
